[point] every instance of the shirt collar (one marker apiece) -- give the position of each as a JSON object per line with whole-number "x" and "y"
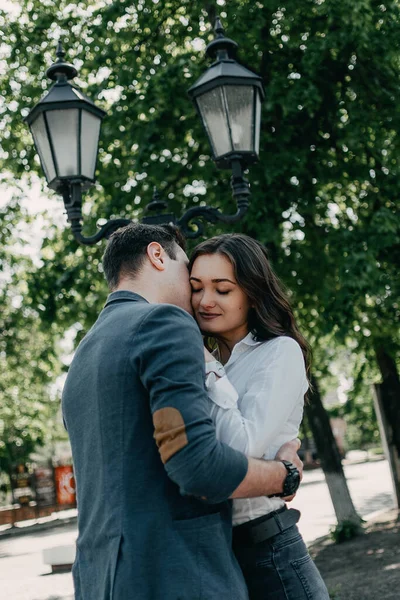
{"x": 123, "y": 295}
{"x": 249, "y": 340}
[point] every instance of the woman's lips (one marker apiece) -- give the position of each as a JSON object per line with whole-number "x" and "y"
{"x": 208, "y": 316}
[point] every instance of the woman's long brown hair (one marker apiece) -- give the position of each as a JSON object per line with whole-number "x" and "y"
{"x": 271, "y": 315}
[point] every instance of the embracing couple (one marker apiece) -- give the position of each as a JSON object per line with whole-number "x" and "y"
{"x": 183, "y": 404}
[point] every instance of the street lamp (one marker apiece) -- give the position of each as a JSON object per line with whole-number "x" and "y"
{"x": 228, "y": 98}
{"x": 65, "y": 126}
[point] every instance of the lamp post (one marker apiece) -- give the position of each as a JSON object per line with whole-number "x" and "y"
{"x": 65, "y": 125}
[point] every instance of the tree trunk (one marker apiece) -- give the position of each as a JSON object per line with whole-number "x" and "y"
{"x": 329, "y": 455}
{"x": 387, "y": 407}
{"x": 305, "y": 444}
{"x": 390, "y": 392}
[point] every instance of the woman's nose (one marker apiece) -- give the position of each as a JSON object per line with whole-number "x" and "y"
{"x": 207, "y": 300}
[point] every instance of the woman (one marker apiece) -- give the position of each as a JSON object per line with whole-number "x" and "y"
{"x": 256, "y": 398}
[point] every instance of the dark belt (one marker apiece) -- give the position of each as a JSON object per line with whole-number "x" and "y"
{"x": 266, "y": 527}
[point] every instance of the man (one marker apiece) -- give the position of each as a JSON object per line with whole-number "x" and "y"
{"x": 153, "y": 482}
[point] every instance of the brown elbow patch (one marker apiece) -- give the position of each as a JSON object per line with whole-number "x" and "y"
{"x": 170, "y": 432}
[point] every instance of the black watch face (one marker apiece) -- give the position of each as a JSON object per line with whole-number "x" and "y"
{"x": 292, "y": 483}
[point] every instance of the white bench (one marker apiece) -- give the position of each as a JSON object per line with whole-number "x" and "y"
{"x": 60, "y": 558}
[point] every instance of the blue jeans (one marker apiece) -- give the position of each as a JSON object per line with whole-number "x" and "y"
{"x": 280, "y": 568}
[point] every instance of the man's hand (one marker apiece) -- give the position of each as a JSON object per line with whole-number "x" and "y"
{"x": 289, "y": 452}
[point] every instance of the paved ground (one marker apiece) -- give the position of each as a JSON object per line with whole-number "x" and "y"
{"x": 370, "y": 488}
{"x": 367, "y": 567}
{"x": 23, "y": 576}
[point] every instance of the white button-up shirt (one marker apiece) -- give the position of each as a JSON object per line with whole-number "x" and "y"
{"x": 258, "y": 406}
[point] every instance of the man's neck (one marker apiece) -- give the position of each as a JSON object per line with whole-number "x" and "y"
{"x": 139, "y": 287}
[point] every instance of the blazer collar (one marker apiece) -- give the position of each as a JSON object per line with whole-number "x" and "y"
{"x": 123, "y": 296}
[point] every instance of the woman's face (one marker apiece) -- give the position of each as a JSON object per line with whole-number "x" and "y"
{"x": 219, "y": 304}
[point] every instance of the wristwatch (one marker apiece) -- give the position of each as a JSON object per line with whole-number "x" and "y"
{"x": 292, "y": 481}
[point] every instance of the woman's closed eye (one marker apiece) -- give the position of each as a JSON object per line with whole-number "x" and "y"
{"x": 222, "y": 293}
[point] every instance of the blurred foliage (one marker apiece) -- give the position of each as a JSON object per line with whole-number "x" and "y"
{"x": 324, "y": 193}
{"x": 352, "y": 376}
{"x": 346, "y": 530}
{"x": 28, "y": 362}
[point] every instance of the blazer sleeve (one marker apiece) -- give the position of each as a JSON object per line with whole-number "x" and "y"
{"x": 169, "y": 350}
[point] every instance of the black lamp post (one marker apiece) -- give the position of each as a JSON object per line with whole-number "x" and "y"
{"x": 65, "y": 126}
{"x": 228, "y": 98}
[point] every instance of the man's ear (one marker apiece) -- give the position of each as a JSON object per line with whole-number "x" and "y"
{"x": 156, "y": 255}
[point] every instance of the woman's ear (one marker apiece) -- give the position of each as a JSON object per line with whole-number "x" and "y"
{"x": 156, "y": 255}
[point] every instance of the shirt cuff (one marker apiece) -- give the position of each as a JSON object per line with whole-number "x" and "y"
{"x": 216, "y": 367}
{"x": 221, "y": 392}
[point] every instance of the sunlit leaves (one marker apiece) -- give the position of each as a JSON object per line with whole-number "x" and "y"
{"x": 324, "y": 194}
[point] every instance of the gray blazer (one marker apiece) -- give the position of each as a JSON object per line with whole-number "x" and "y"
{"x": 152, "y": 480}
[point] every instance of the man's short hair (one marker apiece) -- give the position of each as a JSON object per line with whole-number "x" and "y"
{"x": 126, "y": 249}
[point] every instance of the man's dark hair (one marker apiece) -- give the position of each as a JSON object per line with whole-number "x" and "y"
{"x": 126, "y": 249}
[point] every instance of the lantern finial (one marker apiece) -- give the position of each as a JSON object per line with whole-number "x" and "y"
{"x": 61, "y": 70}
{"x": 218, "y": 28}
{"x": 60, "y": 53}
{"x": 221, "y": 47}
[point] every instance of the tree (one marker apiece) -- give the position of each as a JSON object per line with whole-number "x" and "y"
{"x": 326, "y": 187}
{"x": 28, "y": 359}
{"x": 331, "y": 462}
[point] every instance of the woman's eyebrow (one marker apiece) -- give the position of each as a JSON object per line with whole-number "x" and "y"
{"x": 214, "y": 280}
{"x": 220, "y": 280}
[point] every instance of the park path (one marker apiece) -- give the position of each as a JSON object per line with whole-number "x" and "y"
{"x": 370, "y": 488}
{"x": 23, "y": 576}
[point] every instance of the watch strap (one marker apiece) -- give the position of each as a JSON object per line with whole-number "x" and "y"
{"x": 292, "y": 480}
